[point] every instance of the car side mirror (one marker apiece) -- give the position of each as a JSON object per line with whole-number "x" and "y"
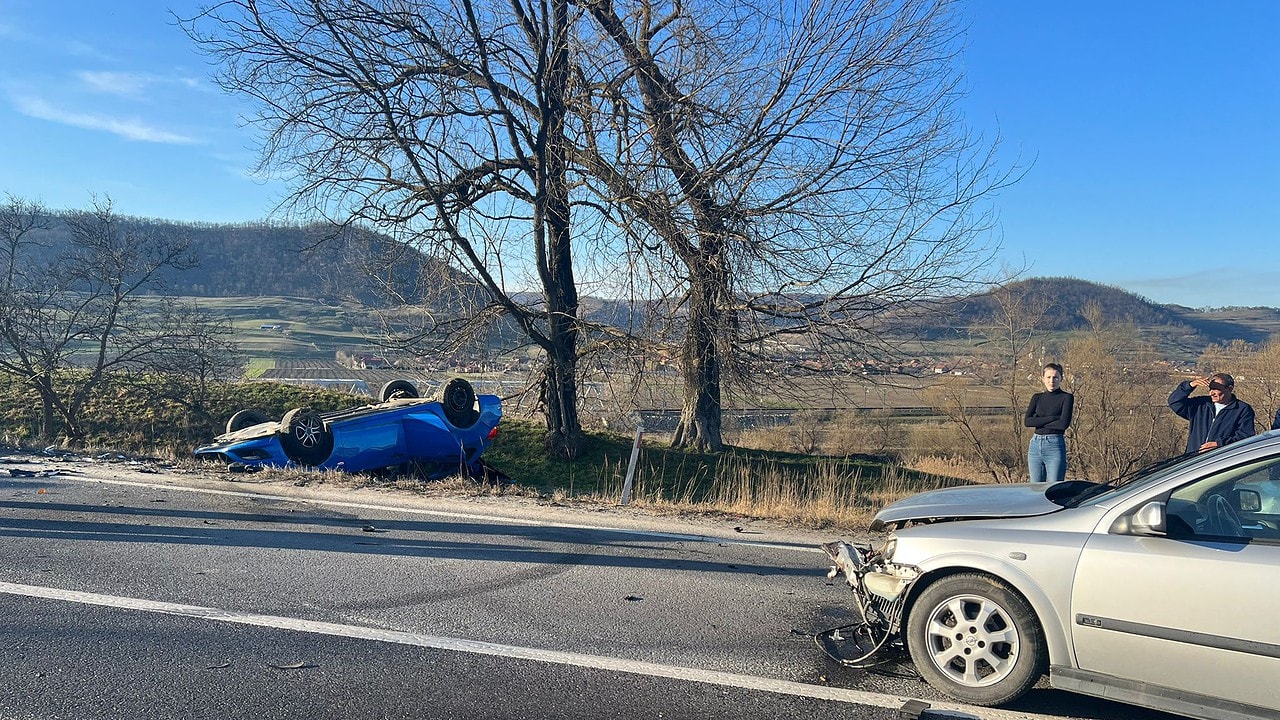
{"x": 1150, "y": 519}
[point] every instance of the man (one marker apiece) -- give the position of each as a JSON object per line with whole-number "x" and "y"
{"x": 1217, "y": 419}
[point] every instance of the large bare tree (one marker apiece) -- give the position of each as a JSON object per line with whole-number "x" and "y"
{"x": 795, "y": 172}
{"x": 443, "y": 123}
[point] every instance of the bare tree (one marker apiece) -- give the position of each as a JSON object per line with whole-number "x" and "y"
{"x": 1256, "y": 369}
{"x": 985, "y": 439}
{"x": 1014, "y": 343}
{"x": 67, "y": 324}
{"x": 796, "y": 172}
{"x": 1121, "y": 420}
{"x": 202, "y": 353}
{"x": 21, "y": 222}
{"x": 443, "y": 124}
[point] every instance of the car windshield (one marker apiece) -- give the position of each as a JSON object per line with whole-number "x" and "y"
{"x": 1149, "y": 472}
{"x": 1097, "y": 490}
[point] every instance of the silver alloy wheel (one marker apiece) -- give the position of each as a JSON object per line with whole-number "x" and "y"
{"x": 308, "y": 430}
{"x": 972, "y": 640}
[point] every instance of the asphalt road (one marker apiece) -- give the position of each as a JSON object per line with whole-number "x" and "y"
{"x": 129, "y": 594}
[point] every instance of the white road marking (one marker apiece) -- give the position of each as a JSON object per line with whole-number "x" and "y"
{"x": 450, "y": 514}
{"x": 595, "y": 662}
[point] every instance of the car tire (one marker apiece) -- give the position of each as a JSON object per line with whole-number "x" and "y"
{"x": 397, "y": 389}
{"x": 305, "y": 437}
{"x": 246, "y": 418}
{"x": 458, "y": 400}
{"x": 991, "y": 664}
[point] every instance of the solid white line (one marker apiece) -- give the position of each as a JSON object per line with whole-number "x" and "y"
{"x": 450, "y": 514}
{"x": 596, "y": 662}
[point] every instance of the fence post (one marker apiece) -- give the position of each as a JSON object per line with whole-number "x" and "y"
{"x": 631, "y": 466}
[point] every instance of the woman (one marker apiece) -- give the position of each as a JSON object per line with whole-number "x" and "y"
{"x": 1050, "y": 414}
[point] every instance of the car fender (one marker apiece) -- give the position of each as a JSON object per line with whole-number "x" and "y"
{"x": 939, "y": 566}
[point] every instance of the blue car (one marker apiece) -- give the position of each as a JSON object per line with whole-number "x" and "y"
{"x": 438, "y": 437}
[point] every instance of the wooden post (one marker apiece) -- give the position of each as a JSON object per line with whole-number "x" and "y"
{"x": 631, "y": 467}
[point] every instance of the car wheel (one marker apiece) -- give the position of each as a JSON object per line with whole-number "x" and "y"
{"x": 972, "y": 637}
{"x": 458, "y": 399}
{"x": 397, "y": 389}
{"x": 305, "y": 437}
{"x": 246, "y": 418}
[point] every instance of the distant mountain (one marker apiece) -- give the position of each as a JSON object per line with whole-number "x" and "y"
{"x": 1065, "y": 300}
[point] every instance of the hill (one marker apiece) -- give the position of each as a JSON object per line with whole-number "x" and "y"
{"x": 262, "y": 259}
{"x": 333, "y": 266}
{"x": 1066, "y": 300}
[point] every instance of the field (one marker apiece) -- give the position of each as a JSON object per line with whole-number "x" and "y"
{"x": 296, "y": 340}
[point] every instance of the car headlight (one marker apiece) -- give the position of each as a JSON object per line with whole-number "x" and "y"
{"x": 890, "y": 546}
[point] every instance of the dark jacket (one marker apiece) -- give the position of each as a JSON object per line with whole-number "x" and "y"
{"x": 1235, "y": 422}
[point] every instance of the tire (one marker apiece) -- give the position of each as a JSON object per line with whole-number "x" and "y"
{"x": 304, "y": 437}
{"x": 246, "y": 418}
{"x": 397, "y": 389}
{"x": 458, "y": 399}
{"x": 991, "y": 664}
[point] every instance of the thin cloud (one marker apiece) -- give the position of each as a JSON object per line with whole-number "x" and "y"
{"x": 130, "y": 84}
{"x": 116, "y": 83}
{"x": 129, "y": 129}
{"x": 1243, "y": 288}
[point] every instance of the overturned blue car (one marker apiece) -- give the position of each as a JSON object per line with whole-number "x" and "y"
{"x": 435, "y": 437}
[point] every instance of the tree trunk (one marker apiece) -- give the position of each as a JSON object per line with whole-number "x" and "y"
{"x": 701, "y": 364}
{"x": 45, "y": 389}
{"x": 559, "y": 398}
{"x": 559, "y": 390}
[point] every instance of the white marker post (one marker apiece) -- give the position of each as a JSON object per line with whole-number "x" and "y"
{"x": 631, "y": 467}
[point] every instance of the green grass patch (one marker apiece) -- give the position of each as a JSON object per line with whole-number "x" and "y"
{"x": 258, "y": 366}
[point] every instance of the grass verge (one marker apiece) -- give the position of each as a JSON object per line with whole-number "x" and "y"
{"x": 817, "y": 491}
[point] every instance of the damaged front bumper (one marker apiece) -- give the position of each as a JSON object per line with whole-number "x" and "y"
{"x": 879, "y": 588}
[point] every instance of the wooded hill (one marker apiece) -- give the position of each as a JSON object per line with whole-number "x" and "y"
{"x": 256, "y": 259}
{"x": 1066, "y": 300}
{"x": 323, "y": 262}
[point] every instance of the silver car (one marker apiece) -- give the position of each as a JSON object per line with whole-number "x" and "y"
{"x": 1161, "y": 589}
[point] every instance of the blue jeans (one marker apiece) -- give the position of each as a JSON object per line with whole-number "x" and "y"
{"x": 1047, "y": 458}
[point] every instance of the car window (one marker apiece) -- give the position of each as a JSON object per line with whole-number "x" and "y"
{"x": 1242, "y": 503}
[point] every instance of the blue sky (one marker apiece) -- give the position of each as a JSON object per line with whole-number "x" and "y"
{"x": 1150, "y": 132}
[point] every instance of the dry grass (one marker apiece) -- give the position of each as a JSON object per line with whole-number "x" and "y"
{"x": 948, "y": 466}
{"x": 825, "y": 494}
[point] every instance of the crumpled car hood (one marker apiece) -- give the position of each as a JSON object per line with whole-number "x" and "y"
{"x": 969, "y": 502}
